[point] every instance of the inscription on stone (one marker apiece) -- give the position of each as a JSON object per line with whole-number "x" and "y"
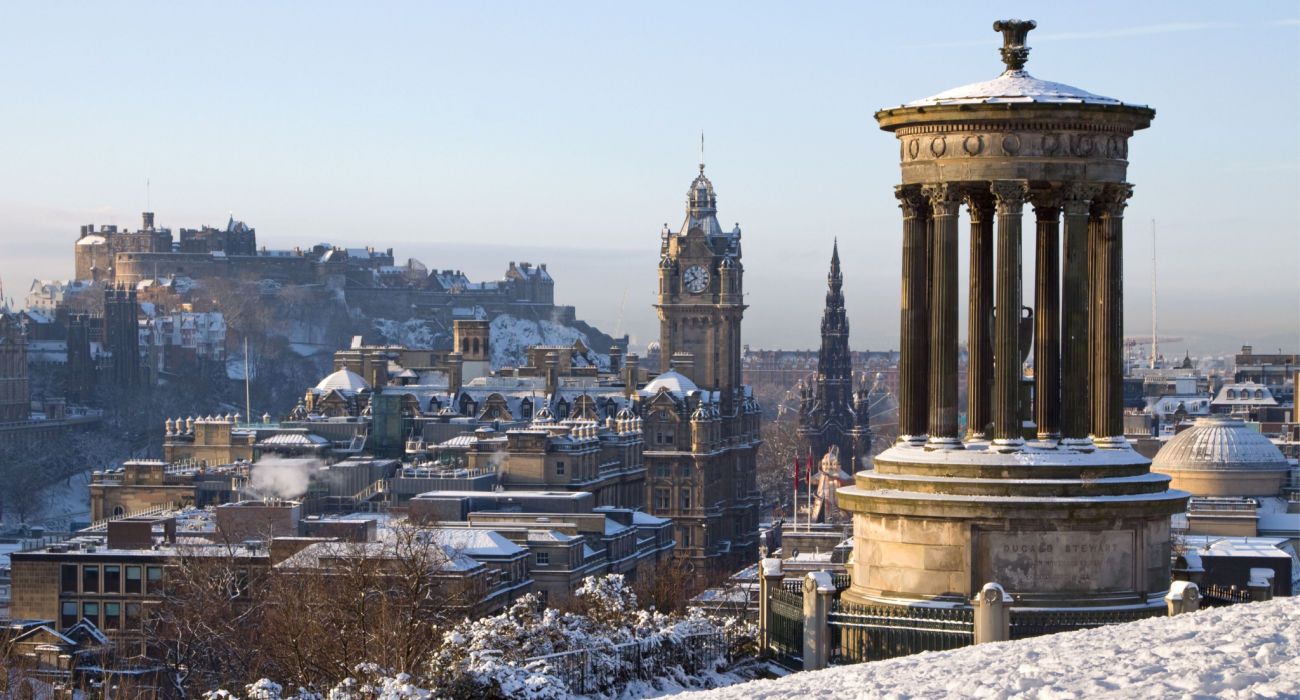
{"x": 1045, "y": 561}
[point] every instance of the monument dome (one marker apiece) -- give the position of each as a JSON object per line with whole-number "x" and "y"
{"x": 1222, "y": 456}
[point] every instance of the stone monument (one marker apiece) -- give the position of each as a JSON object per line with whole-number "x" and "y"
{"x": 1059, "y": 510}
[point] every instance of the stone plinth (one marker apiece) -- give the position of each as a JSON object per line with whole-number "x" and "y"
{"x": 1056, "y": 527}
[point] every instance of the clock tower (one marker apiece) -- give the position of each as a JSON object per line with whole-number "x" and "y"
{"x": 702, "y": 424}
{"x": 701, "y": 298}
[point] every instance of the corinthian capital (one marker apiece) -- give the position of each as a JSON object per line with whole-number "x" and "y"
{"x": 1078, "y": 197}
{"x": 1112, "y": 199}
{"x": 912, "y": 202}
{"x": 979, "y": 204}
{"x": 1047, "y": 203}
{"x": 1010, "y": 195}
{"x": 945, "y": 198}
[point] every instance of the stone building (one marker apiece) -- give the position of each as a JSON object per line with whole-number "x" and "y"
{"x": 831, "y": 413}
{"x": 15, "y": 395}
{"x": 703, "y": 419}
{"x": 122, "y": 335}
{"x": 1060, "y": 510}
{"x": 96, "y": 250}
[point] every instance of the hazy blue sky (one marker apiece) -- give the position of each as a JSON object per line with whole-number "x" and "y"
{"x": 468, "y": 135}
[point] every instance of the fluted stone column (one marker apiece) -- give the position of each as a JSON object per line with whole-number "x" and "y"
{"x": 913, "y": 361}
{"x": 1010, "y": 196}
{"x": 1106, "y": 317}
{"x": 1047, "y": 315}
{"x": 945, "y": 205}
{"x": 1076, "y": 406}
{"x": 979, "y": 331}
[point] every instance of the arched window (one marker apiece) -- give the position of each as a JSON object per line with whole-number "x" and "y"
{"x": 1259, "y": 393}
{"x": 476, "y": 346}
{"x": 1232, "y": 393}
{"x": 464, "y": 346}
{"x": 118, "y": 511}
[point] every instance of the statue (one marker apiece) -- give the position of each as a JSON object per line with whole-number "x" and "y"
{"x": 830, "y": 476}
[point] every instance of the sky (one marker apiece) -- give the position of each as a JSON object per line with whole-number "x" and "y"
{"x": 468, "y": 135}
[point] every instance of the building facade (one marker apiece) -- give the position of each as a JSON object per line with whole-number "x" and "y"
{"x": 701, "y": 421}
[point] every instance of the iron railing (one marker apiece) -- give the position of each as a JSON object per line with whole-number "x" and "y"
{"x": 1033, "y": 623}
{"x": 1217, "y": 595}
{"x": 609, "y": 670}
{"x": 785, "y": 627}
{"x": 872, "y": 632}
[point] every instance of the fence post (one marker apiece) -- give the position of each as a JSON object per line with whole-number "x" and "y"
{"x": 818, "y": 587}
{"x": 1183, "y": 597}
{"x": 992, "y": 614}
{"x": 1260, "y": 584}
{"x": 770, "y": 577}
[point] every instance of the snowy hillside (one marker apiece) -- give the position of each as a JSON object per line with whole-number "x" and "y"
{"x": 511, "y": 337}
{"x": 1243, "y": 651}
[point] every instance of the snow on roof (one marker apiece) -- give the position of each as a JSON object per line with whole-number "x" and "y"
{"x": 293, "y": 440}
{"x": 1218, "y": 546}
{"x": 643, "y": 518}
{"x": 1014, "y": 86}
{"x": 475, "y": 542}
{"x": 92, "y": 240}
{"x": 343, "y": 380}
{"x": 675, "y": 382}
{"x": 1236, "y": 651}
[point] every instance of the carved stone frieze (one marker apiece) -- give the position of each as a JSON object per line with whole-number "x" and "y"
{"x": 1002, "y": 143}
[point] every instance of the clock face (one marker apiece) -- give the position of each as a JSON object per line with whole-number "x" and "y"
{"x": 696, "y": 279}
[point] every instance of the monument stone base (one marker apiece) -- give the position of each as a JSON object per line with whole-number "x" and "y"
{"x": 1057, "y": 527}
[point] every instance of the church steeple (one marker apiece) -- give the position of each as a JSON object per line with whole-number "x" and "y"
{"x": 827, "y": 417}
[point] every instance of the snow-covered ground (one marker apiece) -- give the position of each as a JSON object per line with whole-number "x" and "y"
{"x": 511, "y": 337}
{"x": 1242, "y": 651}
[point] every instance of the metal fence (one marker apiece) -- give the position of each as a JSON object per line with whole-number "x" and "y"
{"x": 1217, "y": 595}
{"x": 610, "y": 669}
{"x": 872, "y": 632}
{"x": 1032, "y": 623}
{"x": 785, "y": 627}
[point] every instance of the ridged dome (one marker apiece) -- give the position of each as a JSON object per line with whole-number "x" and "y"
{"x": 344, "y": 380}
{"x": 1219, "y": 443}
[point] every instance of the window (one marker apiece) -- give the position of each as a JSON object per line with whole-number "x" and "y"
{"x": 90, "y": 579}
{"x": 68, "y": 580}
{"x": 90, "y": 611}
{"x": 68, "y": 615}
{"x": 559, "y": 467}
{"x": 663, "y": 501}
{"x": 118, "y": 511}
{"x": 543, "y": 558}
{"x": 684, "y": 469}
{"x": 133, "y": 579}
{"x": 663, "y": 470}
{"x": 132, "y": 621}
{"x": 1232, "y": 393}
{"x": 686, "y": 499}
{"x": 154, "y": 576}
{"x": 112, "y": 616}
{"x": 112, "y": 578}
{"x": 684, "y": 536}
{"x": 664, "y": 437}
